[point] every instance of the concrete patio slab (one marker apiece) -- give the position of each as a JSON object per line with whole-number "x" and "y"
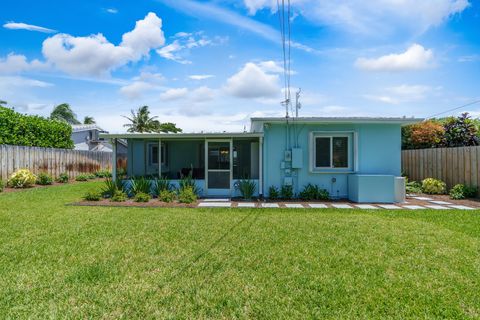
{"x": 317, "y": 205}
{"x": 294, "y": 205}
{"x": 365, "y": 206}
{"x": 216, "y": 200}
{"x": 423, "y": 198}
{"x": 246, "y": 205}
{"x": 440, "y": 202}
{"x": 215, "y": 204}
{"x": 437, "y": 207}
{"x": 342, "y": 206}
{"x": 390, "y": 206}
{"x": 413, "y": 207}
{"x": 270, "y": 205}
{"x": 461, "y": 207}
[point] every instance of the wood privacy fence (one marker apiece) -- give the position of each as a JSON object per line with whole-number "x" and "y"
{"x": 451, "y": 165}
{"x": 50, "y": 160}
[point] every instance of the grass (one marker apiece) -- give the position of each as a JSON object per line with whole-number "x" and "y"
{"x": 59, "y": 261}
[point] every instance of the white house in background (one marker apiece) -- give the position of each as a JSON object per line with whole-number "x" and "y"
{"x": 86, "y": 137}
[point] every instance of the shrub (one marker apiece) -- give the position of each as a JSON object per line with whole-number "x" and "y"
{"x": 247, "y": 188}
{"x": 2, "y": 186}
{"x": 323, "y": 194}
{"x": 433, "y": 186}
{"x": 187, "y": 195}
{"x": 413, "y": 187}
{"x": 25, "y": 130}
{"x": 81, "y": 177}
{"x": 92, "y": 196}
{"x": 119, "y": 196}
{"x": 313, "y": 192}
{"x": 90, "y": 176}
{"x": 139, "y": 185}
{"x": 189, "y": 182}
{"x": 142, "y": 197}
{"x": 273, "y": 193}
{"x": 160, "y": 185}
{"x": 44, "y": 179}
{"x": 63, "y": 178}
{"x": 22, "y": 178}
{"x": 110, "y": 187}
{"x": 461, "y": 191}
{"x": 167, "y": 196}
{"x": 286, "y": 192}
{"x": 103, "y": 174}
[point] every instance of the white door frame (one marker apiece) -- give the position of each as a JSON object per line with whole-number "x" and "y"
{"x": 219, "y": 192}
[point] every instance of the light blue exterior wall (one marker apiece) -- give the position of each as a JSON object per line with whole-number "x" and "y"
{"x": 375, "y": 149}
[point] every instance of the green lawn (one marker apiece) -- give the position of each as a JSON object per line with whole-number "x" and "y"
{"x": 59, "y": 261}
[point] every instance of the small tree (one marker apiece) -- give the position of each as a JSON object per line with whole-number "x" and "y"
{"x": 89, "y": 120}
{"x": 63, "y": 112}
{"x": 460, "y": 132}
{"x": 141, "y": 121}
{"x": 427, "y": 134}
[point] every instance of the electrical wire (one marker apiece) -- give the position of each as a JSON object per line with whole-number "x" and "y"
{"x": 453, "y": 109}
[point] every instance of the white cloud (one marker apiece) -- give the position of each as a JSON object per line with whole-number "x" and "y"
{"x": 371, "y": 17}
{"x": 200, "y": 76}
{"x": 469, "y": 58}
{"x": 402, "y": 94}
{"x": 253, "y": 82}
{"x": 23, "y": 26}
{"x": 202, "y": 94}
{"x": 112, "y": 10}
{"x": 95, "y": 55}
{"x": 179, "y": 48}
{"x": 21, "y": 82}
{"x": 415, "y": 58}
{"x": 174, "y": 94}
{"x": 143, "y": 83}
{"x": 15, "y": 63}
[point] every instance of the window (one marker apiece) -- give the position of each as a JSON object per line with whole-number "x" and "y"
{"x": 153, "y": 154}
{"x": 331, "y": 152}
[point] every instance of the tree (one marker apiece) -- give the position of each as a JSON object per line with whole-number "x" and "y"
{"x": 460, "y": 132}
{"x": 427, "y": 134}
{"x": 89, "y": 120}
{"x": 142, "y": 122}
{"x": 63, "y": 112}
{"x": 3, "y": 103}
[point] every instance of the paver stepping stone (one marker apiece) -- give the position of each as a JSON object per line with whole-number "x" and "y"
{"x": 390, "y": 206}
{"x": 437, "y": 207}
{"x": 414, "y": 207}
{"x": 270, "y": 205}
{"x": 246, "y": 205}
{"x": 365, "y": 206}
{"x": 462, "y": 207}
{"x": 342, "y": 206}
{"x": 317, "y": 205}
{"x": 440, "y": 202}
{"x": 215, "y": 204}
{"x": 293, "y": 205}
{"x": 423, "y": 198}
{"x": 216, "y": 200}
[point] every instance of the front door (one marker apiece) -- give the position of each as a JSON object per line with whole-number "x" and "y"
{"x": 219, "y": 167}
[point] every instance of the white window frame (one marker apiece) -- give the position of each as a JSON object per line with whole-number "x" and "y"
{"x": 352, "y": 152}
{"x": 161, "y": 156}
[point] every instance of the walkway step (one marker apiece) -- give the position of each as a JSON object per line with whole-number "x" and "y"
{"x": 365, "y": 206}
{"x": 412, "y": 207}
{"x": 246, "y": 205}
{"x": 390, "y": 206}
{"x": 462, "y": 207}
{"x": 436, "y": 207}
{"x": 216, "y": 200}
{"x": 294, "y": 205}
{"x": 342, "y": 206}
{"x": 317, "y": 205}
{"x": 440, "y": 202}
{"x": 270, "y": 205}
{"x": 215, "y": 204}
{"x": 423, "y": 198}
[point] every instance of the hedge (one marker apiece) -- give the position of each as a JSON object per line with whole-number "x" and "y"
{"x": 34, "y": 131}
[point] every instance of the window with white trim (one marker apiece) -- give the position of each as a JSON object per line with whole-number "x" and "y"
{"x": 331, "y": 152}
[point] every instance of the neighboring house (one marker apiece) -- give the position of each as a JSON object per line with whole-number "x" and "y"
{"x": 87, "y": 137}
{"x": 353, "y": 158}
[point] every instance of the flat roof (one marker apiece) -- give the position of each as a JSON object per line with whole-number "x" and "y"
{"x": 201, "y": 135}
{"x": 394, "y": 120}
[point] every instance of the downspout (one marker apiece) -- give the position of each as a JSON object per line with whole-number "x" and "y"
{"x": 260, "y": 168}
{"x": 114, "y": 159}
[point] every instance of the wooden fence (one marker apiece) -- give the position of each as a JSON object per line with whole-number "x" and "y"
{"x": 52, "y": 161}
{"x": 451, "y": 165}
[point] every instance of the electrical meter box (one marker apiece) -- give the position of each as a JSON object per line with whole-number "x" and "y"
{"x": 297, "y": 158}
{"x": 288, "y": 181}
{"x": 288, "y": 155}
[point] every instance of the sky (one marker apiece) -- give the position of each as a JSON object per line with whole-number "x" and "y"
{"x": 211, "y": 65}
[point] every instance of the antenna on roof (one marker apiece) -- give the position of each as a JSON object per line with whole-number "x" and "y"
{"x": 298, "y": 105}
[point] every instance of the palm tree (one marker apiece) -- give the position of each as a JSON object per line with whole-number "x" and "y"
{"x": 89, "y": 120}
{"x": 63, "y": 112}
{"x": 141, "y": 121}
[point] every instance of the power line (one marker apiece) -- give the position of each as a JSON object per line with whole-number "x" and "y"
{"x": 453, "y": 109}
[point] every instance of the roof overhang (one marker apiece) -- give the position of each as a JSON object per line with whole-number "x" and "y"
{"x": 340, "y": 120}
{"x": 179, "y": 136}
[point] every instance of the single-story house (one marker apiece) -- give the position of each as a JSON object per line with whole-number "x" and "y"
{"x": 86, "y": 137}
{"x": 353, "y": 158}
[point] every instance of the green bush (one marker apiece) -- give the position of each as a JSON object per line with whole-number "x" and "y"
{"x": 44, "y": 179}
{"x": 142, "y": 197}
{"x": 103, "y": 174}
{"x": 461, "y": 191}
{"x": 167, "y": 196}
{"x": 81, "y": 177}
{"x": 273, "y": 193}
{"x": 433, "y": 186}
{"x": 2, "y": 185}
{"x": 26, "y": 130}
{"x": 313, "y": 192}
{"x": 247, "y": 188}
{"x": 110, "y": 187}
{"x": 119, "y": 196}
{"x": 286, "y": 192}
{"x": 160, "y": 185}
{"x": 90, "y": 176}
{"x": 413, "y": 187}
{"x": 22, "y": 178}
{"x": 92, "y": 196}
{"x": 187, "y": 195}
{"x": 139, "y": 185}
{"x": 189, "y": 182}
{"x": 323, "y": 195}
{"x": 63, "y": 178}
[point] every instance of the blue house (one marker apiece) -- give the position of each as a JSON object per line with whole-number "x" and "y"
{"x": 352, "y": 158}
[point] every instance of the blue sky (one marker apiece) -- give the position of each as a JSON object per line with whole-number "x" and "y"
{"x": 210, "y": 65}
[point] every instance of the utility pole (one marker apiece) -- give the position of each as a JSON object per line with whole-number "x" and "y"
{"x": 298, "y": 105}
